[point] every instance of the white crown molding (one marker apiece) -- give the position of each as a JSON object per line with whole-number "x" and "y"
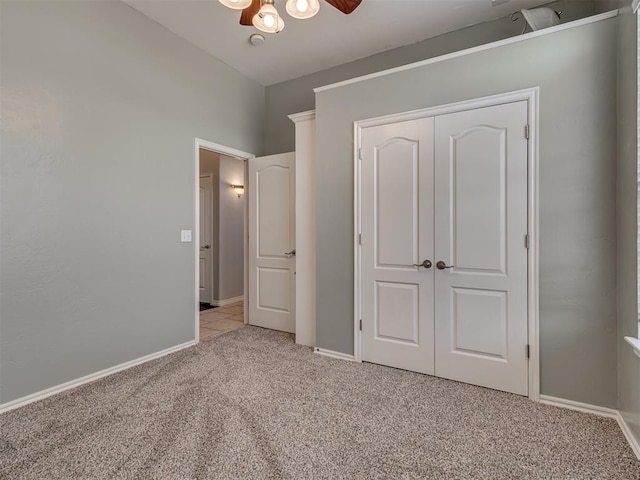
{"x": 635, "y": 344}
{"x": 302, "y": 116}
{"x": 469, "y": 51}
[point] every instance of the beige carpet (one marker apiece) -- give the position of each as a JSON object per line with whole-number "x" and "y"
{"x": 251, "y": 404}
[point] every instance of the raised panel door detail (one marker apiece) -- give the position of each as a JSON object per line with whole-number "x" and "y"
{"x": 396, "y": 312}
{"x": 481, "y": 188}
{"x": 273, "y": 289}
{"x": 272, "y": 186}
{"x": 478, "y": 199}
{"x": 396, "y": 217}
{"x": 479, "y": 322}
{"x": 205, "y": 264}
{"x": 396, "y": 203}
{"x": 270, "y": 195}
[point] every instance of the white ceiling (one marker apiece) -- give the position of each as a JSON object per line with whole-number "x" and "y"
{"x": 326, "y": 40}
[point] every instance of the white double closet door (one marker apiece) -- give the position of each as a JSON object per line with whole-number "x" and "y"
{"x": 449, "y": 189}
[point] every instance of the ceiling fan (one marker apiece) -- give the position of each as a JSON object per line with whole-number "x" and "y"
{"x": 263, "y": 15}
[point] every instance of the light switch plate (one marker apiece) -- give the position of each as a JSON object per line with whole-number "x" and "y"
{"x": 185, "y": 236}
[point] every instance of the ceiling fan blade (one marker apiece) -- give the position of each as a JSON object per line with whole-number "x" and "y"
{"x": 345, "y": 6}
{"x": 247, "y": 14}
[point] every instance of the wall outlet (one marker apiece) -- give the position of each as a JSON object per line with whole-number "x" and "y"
{"x": 185, "y": 236}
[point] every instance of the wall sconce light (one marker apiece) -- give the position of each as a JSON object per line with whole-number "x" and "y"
{"x": 239, "y": 189}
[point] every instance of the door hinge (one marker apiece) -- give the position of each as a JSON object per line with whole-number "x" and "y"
{"x": 528, "y": 351}
{"x": 359, "y": 154}
{"x": 360, "y": 324}
{"x": 526, "y": 241}
{"x": 526, "y": 132}
{"x": 359, "y": 239}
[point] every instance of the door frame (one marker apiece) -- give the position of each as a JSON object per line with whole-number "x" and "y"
{"x": 245, "y": 157}
{"x": 530, "y": 95}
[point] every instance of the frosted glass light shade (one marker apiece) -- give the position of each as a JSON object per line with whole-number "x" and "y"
{"x": 268, "y": 20}
{"x": 236, "y": 4}
{"x": 302, "y": 8}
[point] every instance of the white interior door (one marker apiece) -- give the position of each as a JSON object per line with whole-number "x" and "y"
{"x": 272, "y": 242}
{"x": 480, "y": 225}
{"x": 206, "y": 264}
{"x": 397, "y": 235}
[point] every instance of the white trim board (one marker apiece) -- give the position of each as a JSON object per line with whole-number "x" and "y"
{"x": 596, "y": 410}
{"x": 302, "y": 116}
{"x": 635, "y": 344}
{"x": 332, "y": 354}
{"x": 305, "y": 226}
{"x": 531, "y": 96}
{"x": 34, "y": 397}
{"x": 227, "y": 301}
{"x": 469, "y": 51}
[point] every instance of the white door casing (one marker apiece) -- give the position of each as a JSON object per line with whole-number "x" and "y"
{"x": 271, "y": 239}
{"x": 481, "y": 228}
{"x": 305, "y": 168}
{"x": 397, "y": 236}
{"x": 206, "y": 263}
{"x": 526, "y": 338}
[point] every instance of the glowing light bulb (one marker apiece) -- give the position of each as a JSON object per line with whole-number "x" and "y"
{"x": 302, "y": 8}
{"x": 269, "y": 21}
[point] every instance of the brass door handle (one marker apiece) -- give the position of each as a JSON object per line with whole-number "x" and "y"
{"x": 290, "y": 254}
{"x": 205, "y": 247}
{"x": 425, "y": 264}
{"x": 441, "y": 265}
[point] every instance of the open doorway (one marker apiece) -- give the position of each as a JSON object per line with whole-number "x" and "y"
{"x": 221, "y": 246}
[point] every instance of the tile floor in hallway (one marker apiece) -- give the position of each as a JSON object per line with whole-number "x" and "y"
{"x": 217, "y": 321}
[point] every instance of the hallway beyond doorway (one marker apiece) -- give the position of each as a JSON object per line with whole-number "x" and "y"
{"x": 216, "y": 321}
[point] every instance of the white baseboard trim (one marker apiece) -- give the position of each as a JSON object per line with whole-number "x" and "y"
{"x": 34, "y": 397}
{"x": 579, "y": 406}
{"x": 332, "y": 354}
{"x": 633, "y": 441}
{"x": 596, "y": 410}
{"x": 227, "y": 301}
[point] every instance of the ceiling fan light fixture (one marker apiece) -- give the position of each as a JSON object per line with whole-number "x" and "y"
{"x": 302, "y": 8}
{"x": 236, "y": 4}
{"x": 267, "y": 19}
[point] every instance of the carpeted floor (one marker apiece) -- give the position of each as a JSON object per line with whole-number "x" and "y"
{"x": 251, "y": 404}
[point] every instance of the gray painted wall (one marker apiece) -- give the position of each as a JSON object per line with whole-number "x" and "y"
{"x": 297, "y": 95}
{"x": 100, "y": 107}
{"x": 231, "y": 229}
{"x": 628, "y": 363}
{"x": 576, "y": 72}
